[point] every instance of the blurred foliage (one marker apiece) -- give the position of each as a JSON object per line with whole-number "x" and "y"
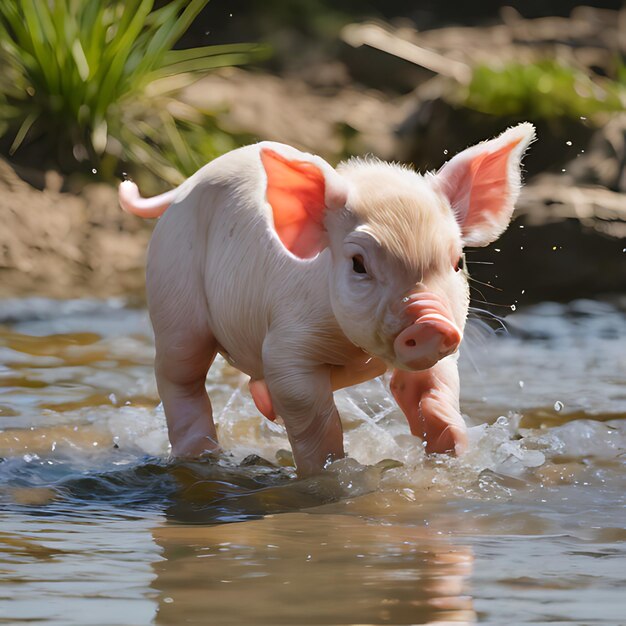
{"x": 94, "y": 83}
{"x": 544, "y": 90}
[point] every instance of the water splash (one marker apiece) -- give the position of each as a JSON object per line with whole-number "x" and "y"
{"x": 78, "y": 390}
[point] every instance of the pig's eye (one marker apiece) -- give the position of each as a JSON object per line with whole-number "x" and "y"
{"x": 460, "y": 264}
{"x": 357, "y": 264}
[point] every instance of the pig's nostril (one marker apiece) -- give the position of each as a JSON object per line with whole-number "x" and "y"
{"x": 410, "y": 343}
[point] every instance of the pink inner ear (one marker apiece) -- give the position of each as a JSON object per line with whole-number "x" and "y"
{"x": 295, "y": 191}
{"x": 489, "y": 185}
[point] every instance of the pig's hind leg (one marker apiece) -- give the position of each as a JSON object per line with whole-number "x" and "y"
{"x": 181, "y": 365}
{"x": 185, "y": 349}
{"x": 430, "y": 401}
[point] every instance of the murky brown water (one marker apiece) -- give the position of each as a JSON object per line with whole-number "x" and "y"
{"x": 97, "y": 527}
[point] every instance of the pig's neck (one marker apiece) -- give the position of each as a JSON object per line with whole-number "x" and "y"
{"x": 307, "y": 313}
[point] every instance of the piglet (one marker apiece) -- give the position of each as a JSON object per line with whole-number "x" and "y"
{"x": 309, "y": 279}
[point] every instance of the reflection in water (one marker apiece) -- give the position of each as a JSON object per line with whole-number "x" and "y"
{"x": 300, "y": 568}
{"x": 97, "y": 526}
{"x": 65, "y": 570}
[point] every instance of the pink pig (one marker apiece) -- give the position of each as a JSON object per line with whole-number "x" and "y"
{"x": 310, "y": 279}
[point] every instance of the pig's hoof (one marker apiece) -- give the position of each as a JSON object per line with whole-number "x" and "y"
{"x": 451, "y": 440}
{"x": 190, "y": 448}
{"x": 443, "y": 434}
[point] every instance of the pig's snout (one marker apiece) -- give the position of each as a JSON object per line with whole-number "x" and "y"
{"x": 431, "y": 337}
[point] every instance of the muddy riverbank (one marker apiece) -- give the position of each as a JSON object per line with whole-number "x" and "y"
{"x": 566, "y": 242}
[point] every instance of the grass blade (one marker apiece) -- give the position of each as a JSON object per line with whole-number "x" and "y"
{"x": 21, "y": 133}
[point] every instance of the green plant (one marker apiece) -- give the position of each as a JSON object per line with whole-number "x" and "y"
{"x": 97, "y": 79}
{"x": 546, "y": 89}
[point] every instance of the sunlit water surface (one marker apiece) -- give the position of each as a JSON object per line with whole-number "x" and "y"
{"x": 99, "y": 527}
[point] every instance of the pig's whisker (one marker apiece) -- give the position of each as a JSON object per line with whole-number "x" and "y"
{"x": 478, "y": 315}
{"x": 506, "y": 306}
{"x": 480, "y": 282}
{"x": 480, "y": 327}
{"x": 480, "y": 293}
{"x": 468, "y": 351}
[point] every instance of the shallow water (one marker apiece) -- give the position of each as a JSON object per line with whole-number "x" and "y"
{"x": 98, "y": 527}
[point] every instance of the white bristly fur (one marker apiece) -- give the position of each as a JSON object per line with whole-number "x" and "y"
{"x": 219, "y": 279}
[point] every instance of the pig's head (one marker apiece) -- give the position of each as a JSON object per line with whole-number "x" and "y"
{"x": 397, "y": 284}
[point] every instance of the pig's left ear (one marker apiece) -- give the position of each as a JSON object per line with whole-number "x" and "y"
{"x": 301, "y": 188}
{"x": 483, "y": 183}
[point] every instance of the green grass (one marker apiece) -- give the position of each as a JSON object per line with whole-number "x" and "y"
{"x": 96, "y": 81}
{"x": 543, "y": 90}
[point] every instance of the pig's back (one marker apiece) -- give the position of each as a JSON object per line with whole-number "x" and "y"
{"x": 219, "y": 234}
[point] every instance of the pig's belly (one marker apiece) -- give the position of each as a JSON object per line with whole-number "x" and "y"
{"x": 240, "y": 349}
{"x": 240, "y": 328}
{"x": 238, "y": 320}
{"x": 246, "y": 363}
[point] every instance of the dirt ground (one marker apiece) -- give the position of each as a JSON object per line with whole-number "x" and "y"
{"x": 65, "y": 245}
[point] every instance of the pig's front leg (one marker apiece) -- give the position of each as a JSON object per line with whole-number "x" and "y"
{"x": 430, "y": 401}
{"x": 302, "y": 396}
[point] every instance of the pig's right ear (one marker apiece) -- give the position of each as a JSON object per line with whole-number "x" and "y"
{"x": 300, "y": 190}
{"x": 483, "y": 182}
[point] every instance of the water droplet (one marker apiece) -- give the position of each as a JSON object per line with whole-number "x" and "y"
{"x": 497, "y": 249}
{"x": 521, "y": 225}
{"x": 521, "y": 384}
{"x": 405, "y": 299}
{"x": 582, "y": 152}
{"x": 168, "y": 600}
{"x": 521, "y": 247}
{"x": 582, "y": 117}
{"x": 558, "y": 406}
{"x": 94, "y": 444}
{"x": 513, "y": 307}
{"x": 554, "y": 247}
{"x": 523, "y": 291}
{"x": 230, "y": 15}
{"x": 568, "y": 143}
{"x": 445, "y": 152}
{"x": 563, "y": 170}
{"x": 94, "y": 170}
{"x": 502, "y": 421}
